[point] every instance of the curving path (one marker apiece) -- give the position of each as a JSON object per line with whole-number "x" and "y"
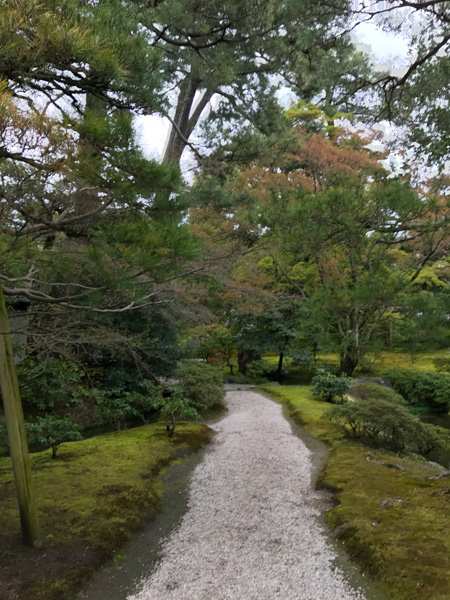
{"x": 250, "y": 532}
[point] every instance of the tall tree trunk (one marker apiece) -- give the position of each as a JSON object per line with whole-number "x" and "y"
{"x": 17, "y": 438}
{"x": 187, "y": 115}
{"x": 179, "y": 130}
{"x": 350, "y": 358}
{"x": 349, "y": 362}
{"x": 280, "y": 366}
{"x": 245, "y": 357}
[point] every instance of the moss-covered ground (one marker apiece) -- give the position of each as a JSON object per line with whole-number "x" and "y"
{"x": 374, "y": 364}
{"x": 90, "y": 500}
{"x": 394, "y": 522}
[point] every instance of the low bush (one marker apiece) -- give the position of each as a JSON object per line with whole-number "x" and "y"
{"x": 329, "y": 387}
{"x": 421, "y": 388}
{"x": 258, "y": 370}
{"x": 379, "y": 423}
{"x": 202, "y": 384}
{"x": 374, "y": 391}
{"x": 385, "y": 424}
{"x": 434, "y": 444}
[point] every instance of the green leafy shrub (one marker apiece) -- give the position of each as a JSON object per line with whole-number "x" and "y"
{"x": 173, "y": 404}
{"x": 202, "y": 384}
{"x": 49, "y": 384}
{"x": 258, "y": 370}
{"x": 328, "y": 386}
{"x": 435, "y": 444}
{"x": 421, "y": 388}
{"x": 215, "y": 344}
{"x": 380, "y": 423}
{"x": 373, "y": 391}
{"x": 302, "y": 358}
{"x": 52, "y": 432}
{"x": 116, "y": 408}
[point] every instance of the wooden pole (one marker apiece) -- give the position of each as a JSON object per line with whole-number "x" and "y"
{"x": 15, "y": 425}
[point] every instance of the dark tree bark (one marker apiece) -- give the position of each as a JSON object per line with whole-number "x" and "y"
{"x": 245, "y": 357}
{"x": 186, "y": 116}
{"x": 349, "y": 362}
{"x": 280, "y": 366}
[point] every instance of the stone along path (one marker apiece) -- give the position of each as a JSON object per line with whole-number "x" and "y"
{"x": 251, "y": 530}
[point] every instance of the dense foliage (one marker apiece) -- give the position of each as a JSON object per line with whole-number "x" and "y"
{"x": 53, "y": 432}
{"x": 373, "y": 391}
{"x": 384, "y": 424}
{"x": 330, "y": 387}
{"x": 288, "y": 233}
{"x": 422, "y": 389}
{"x": 202, "y": 384}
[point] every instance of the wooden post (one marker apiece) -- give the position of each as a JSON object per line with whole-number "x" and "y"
{"x": 16, "y": 433}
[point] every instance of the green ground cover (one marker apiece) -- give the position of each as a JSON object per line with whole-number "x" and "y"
{"x": 374, "y": 364}
{"x": 393, "y": 522}
{"x": 90, "y": 500}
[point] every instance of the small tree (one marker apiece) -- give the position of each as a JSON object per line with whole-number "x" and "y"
{"x": 174, "y": 404}
{"x": 328, "y": 386}
{"x": 216, "y": 345}
{"x": 53, "y": 432}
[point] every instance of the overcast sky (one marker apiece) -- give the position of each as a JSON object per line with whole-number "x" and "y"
{"x": 389, "y": 51}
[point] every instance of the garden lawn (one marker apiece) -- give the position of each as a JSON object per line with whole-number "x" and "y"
{"x": 394, "y": 523}
{"x": 90, "y": 499}
{"x": 376, "y": 363}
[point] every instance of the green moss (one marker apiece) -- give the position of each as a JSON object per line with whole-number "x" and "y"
{"x": 307, "y": 411}
{"x": 379, "y": 362}
{"x": 404, "y": 545}
{"x": 395, "y": 360}
{"x": 93, "y": 496}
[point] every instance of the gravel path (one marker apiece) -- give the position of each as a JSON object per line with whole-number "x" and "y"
{"x": 250, "y": 532}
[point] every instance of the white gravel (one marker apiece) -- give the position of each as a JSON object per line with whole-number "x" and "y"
{"x": 251, "y": 530}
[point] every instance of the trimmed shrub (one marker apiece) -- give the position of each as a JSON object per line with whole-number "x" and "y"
{"x": 328, "y": 386}
{"x": 173, "y": 405}
{"x": 380, "y": 423}
{"x": 202, "y": 384}
{"x": 389, "y": 425}
{"x": 374, "y": 391}
{"x": 435, "y": 444}
{"x": 420, "y": 388}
